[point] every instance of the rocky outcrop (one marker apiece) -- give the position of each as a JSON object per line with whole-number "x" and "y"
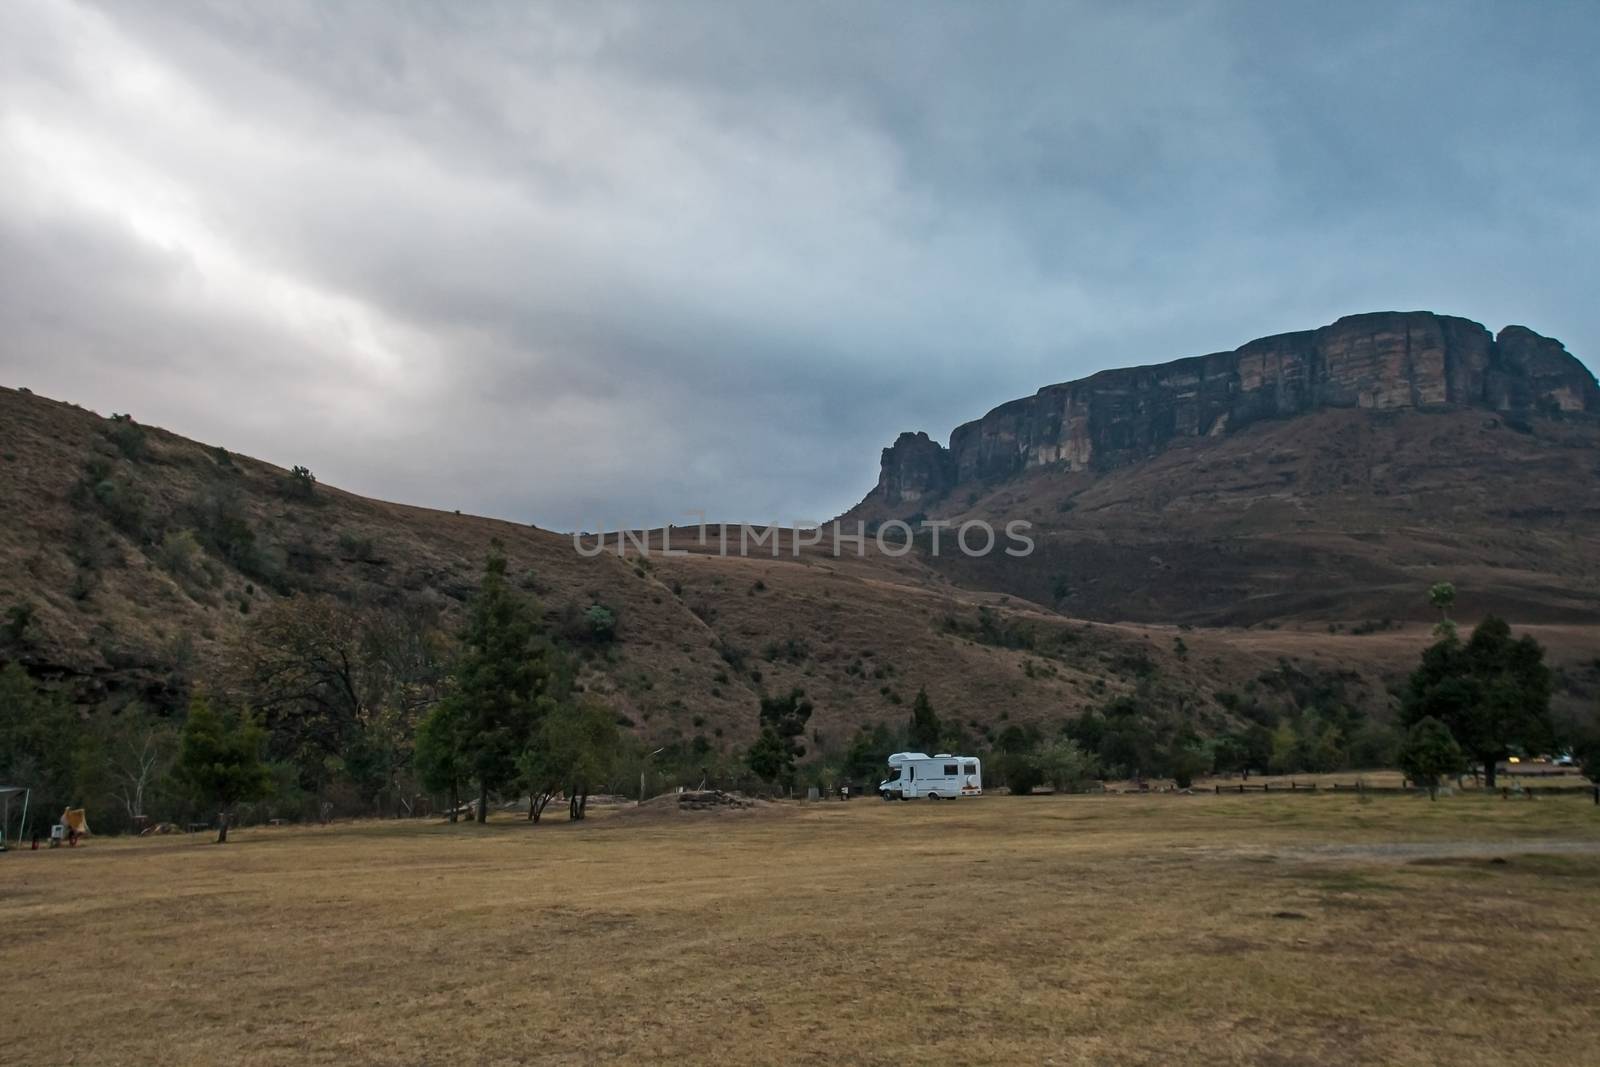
{"x": 1382, "y": 361}
{"x": 915, "y": 468}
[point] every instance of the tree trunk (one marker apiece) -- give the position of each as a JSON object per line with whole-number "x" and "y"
{"x": 483, "y": 803}
{"x": 222, "y": 828}
{"x": 1488, "y": 772}
{"x": 583, "y": 805}
{"x": 455, "y": 800}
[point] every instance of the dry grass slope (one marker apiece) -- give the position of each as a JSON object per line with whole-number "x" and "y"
{"x": 126, "y": 606}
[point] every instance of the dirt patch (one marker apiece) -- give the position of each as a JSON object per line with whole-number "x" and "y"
{"x": 702, "y": 803}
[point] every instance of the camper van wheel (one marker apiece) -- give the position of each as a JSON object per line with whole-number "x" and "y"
{"x": 934, "y": 796}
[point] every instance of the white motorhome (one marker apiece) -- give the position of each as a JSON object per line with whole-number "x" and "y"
{"x": 938, "y": 777}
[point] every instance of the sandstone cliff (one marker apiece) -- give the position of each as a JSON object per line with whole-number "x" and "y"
{"x": 1382, "y": 361}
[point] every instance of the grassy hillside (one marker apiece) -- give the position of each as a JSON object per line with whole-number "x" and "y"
{"x": 134, "y": 558}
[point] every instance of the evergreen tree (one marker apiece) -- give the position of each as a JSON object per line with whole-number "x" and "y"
{"x": 440, "y": 756}
{"x": 783, "y": 723}
{"x": 219, "y": 758}
{"x": 925, "y": 730}
{"x": 507, "y": 677}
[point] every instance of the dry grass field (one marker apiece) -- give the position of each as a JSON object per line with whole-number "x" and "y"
{"x": 1157, "y": 929}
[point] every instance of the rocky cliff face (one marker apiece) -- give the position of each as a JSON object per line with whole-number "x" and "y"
{"x": 1382, "y": 361}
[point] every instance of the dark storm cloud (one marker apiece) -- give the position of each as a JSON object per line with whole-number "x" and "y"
{"x": 570, "y": 263}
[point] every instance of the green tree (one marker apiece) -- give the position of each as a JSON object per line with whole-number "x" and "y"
{"x": 1067, "y": 767}
{"x": 1020, "y": 771}
{"x": 1187, "y": 761}
{"x": 41, "y": 738}
{"x": 1492, "y": 692}
{"x": 219, "y": 758}
{"x": 507, "y": 677}
{"x": 1442, "y": 595}
{"x": 440, "y": 756}
{"x": 1429, "y": 754}
{"x": 783, "y": 721}
{"x": 1229, "y": 754}
{"x": 769, "y": 758}
{"x": 867, "y": 755}
{"x": 1285, "y": 758}
{"x": 577, "y": 750}
{"x": 1585, "y": 746}
{"x": 925, "y": 729}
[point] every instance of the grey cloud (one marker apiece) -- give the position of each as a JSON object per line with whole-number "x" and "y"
{"x": 566, "y": 263}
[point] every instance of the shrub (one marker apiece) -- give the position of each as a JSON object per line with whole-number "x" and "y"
{"x": 1067, "y": 767}
{"x": 18, "y": 628}
{"x": 128, "y": 437}
{"x": 179, "y": 554}
{"x": 1020, "y": 772}
{"x": 601, "y": 623}
{"x": 1430, "y": 753}
{"x": 356, "y": 548}
{"x": 301, "y": 484}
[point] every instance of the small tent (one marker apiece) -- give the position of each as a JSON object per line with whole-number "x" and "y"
{"x": 75, "y": 821}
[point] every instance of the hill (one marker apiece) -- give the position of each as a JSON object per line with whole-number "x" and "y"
{"x": 135, "y": 560}
{"x": 1227, "y": 565}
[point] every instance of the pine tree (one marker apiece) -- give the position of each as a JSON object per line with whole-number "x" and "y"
{"x": 507, "y": 678}
{"x": 925, "y": 729}
{"x": 219, "y": 757}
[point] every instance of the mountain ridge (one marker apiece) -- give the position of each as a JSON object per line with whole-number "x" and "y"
{"x": 1378, "y": 361}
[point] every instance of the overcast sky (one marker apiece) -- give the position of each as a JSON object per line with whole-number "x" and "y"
{"x": 587, "y": 262}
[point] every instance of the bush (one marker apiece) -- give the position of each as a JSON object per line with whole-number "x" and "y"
{"x": 1430, "y": 753}
{"x": 360, "y": 549}
{"x": 1067, "y": 767}
{"x": 18, "y": 629}
{"x": 179, "y": 554}
{"x": 301, "y": 484}
{"x": 601, "y": 623}
{"x": 1186, "y": 763}
{"x": 1020, "y": 771}
{"x": 128, "y": 437}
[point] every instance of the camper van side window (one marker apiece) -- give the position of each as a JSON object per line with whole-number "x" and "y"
{"x": 972, "y": 768}
{"x": 952, "y": 769}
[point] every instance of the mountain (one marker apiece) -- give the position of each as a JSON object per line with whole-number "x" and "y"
{"x": 1326, "y": 474}
{"x": 1252, "y": 529}
{"x": 1388, "y": 361}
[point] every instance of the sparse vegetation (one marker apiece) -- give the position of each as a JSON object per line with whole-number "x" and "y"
{"x": 301, "y": 483}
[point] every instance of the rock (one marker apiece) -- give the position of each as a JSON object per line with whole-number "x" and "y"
{"x": 915, "y": 468}
{"x": 1383, "y": 362}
